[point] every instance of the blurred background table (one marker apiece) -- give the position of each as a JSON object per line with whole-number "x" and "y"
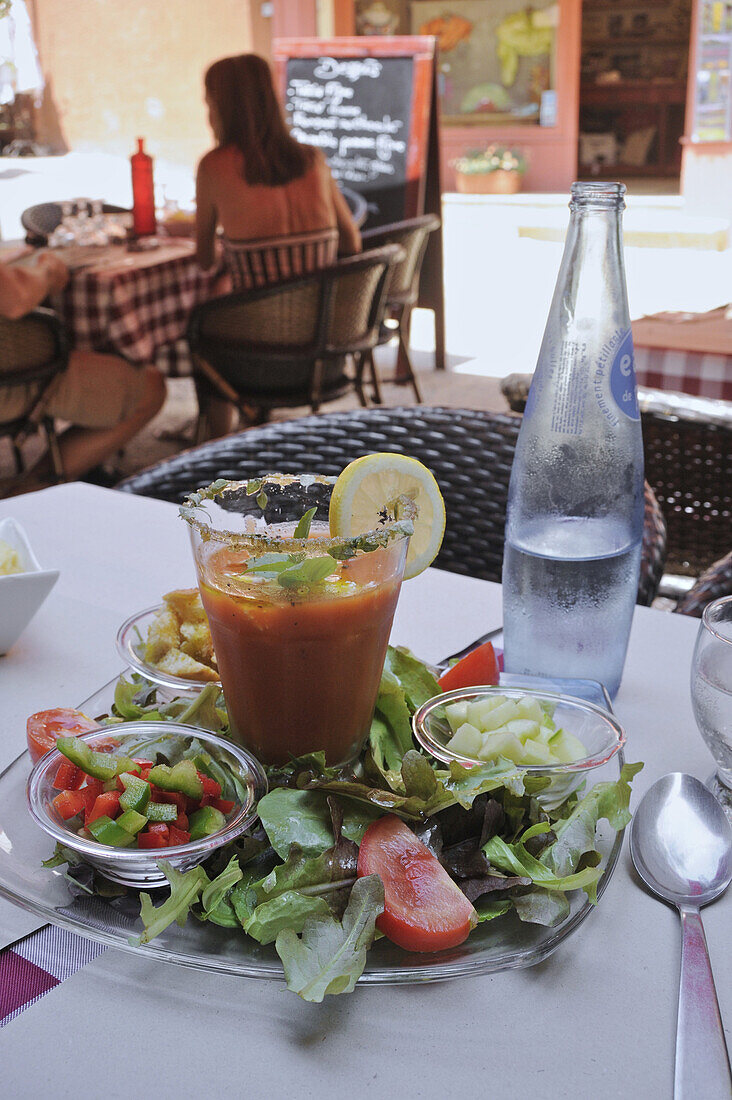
{"x": 134, "y": 303}
{"x": 686, "y": 352}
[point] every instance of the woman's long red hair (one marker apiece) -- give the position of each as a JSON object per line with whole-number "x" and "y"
{"x": 250, "y": 117}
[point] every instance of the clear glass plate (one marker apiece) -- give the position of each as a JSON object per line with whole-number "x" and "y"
{"x": 132, "y": 631}
{"x": 501, "y": 944}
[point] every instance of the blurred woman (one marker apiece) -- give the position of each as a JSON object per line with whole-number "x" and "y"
{"x": 105, "y": 399}
{"x": 280, "y": 209}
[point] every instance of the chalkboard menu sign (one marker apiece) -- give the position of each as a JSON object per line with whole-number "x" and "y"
{"x": 370, "y": 103}
{"x": 366, "y": 103}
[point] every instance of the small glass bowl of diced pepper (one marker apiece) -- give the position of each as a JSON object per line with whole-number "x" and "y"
{"x": 130, "y": 795}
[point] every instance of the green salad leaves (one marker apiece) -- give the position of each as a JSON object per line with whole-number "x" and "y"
{"x": 291, "y": 881}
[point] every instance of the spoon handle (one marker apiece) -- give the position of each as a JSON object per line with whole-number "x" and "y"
{"x": 702, "y": 1061}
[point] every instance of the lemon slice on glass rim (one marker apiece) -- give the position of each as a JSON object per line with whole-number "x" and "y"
{"x": 382, "y": 487}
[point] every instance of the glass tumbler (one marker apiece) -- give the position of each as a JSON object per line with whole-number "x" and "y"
{"x": 300, "y": 621}
{"x": 711, "y": 691}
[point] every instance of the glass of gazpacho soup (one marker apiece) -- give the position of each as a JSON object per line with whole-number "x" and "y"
{"x": 299, "y": 620}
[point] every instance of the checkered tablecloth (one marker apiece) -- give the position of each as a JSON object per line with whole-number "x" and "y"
{"x": 697, "y": 373}
{"x": 137, "y": 304}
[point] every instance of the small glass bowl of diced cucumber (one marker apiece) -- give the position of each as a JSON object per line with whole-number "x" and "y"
{"x": 130, "y": 795}
{"x": 543, "y": 733}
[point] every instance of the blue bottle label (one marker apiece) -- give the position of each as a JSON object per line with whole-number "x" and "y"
{"x": 622, "y": 379}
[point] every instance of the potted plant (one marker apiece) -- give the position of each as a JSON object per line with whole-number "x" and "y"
{"x": 496, "y": 170}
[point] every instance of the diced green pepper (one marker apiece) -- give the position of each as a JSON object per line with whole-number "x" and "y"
{"x": 231, "y": 785}
{"x": 182, "y": 777}
{"x": 206, "y": 821}
{"x": 100, "y": 765}
{"x": 160, "y": 811}
{"x": 136, "y": 794}
{"x": 109, "y": 832}
{"x": 131, "y": 821}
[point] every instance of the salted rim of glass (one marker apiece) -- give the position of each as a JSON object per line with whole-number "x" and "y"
{"x": 347, "y": 545}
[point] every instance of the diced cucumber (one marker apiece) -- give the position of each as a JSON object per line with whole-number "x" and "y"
{"x": 501, "y": 744}
{"x": 479, "y": 710}
{"x": 499, "y": 716}
{"x": 523, "y": 728}
{"x": 456, "y": 714}
{"x": 467, "y": 740}
{"x": 566, "y": 747}
{"x": 527, "y": 707}
{"x": 535, "y": 752}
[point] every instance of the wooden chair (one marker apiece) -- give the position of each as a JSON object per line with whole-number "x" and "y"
{"x": 469, "y": 452}
{"x": 40, "y": 221}
{"x": 292, "y": 343}
{"x": 413, "y": 237}
{"x": 33, "y": 352}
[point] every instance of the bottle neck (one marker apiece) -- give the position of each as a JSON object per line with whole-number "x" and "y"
{"x": 592, "y": 275}
{"x": 598, "y": 196}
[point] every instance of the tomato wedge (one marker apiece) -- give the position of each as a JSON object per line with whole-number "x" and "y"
{"x": 43, "y": 728}
{"x": 478, "y": 667}
{"x": 424, "y": 910}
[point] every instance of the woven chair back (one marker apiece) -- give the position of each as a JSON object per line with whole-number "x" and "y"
{"x": 273, "y": 260}
{"x": 289, "y": 318}
{"x": 688, "y": 461}
{"x": 469, "y": 452}
{"x": 412, "y": 235}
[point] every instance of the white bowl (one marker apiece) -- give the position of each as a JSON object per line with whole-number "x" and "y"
{"x": 21, "y": 594}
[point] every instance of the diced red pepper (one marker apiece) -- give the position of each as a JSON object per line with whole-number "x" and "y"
{"x": 68, "y": 777}
{"x": 160, "y": 827}
{"x": 210, "y": 786}
{"x": 148, "y": 839}
{"x": 106, "y": 804}
{"x": 177, "y": 836}
{"x": 69, "y": 803}
{"x": 224, "y": 804}
{"x": 181, "y": 822}
{"x": 90, "y": 790}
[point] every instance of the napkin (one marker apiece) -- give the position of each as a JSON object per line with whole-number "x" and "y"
{"x": 34, "y": 965}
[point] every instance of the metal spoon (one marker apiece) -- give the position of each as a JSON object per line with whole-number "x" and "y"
{"x": 681, "y": 845}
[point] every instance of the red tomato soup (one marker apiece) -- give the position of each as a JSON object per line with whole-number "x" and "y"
{"x": 301, "y": 668}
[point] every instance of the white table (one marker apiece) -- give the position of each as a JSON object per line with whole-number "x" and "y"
{"x": 596, "y": 1019}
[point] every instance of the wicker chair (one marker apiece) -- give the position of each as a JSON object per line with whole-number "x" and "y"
{"x": 40, "y": 221}
{"x": 33, "y": 352}
{"x": 469, "y": 452}
{"x": 714, "y": 582}
{"x": 289, "y": 344}
{"x": 413, "y": 237}
{"x": 688, "y": 454}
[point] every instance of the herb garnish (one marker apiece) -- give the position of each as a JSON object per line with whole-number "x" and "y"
{"x": 291, "y": 570}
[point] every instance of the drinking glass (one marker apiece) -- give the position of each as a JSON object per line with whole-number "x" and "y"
{"x": 711, "y": 692}
{"x": 300, "y": 621}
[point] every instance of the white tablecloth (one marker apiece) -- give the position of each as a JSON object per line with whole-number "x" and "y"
{"x": 596, "y": 1019}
